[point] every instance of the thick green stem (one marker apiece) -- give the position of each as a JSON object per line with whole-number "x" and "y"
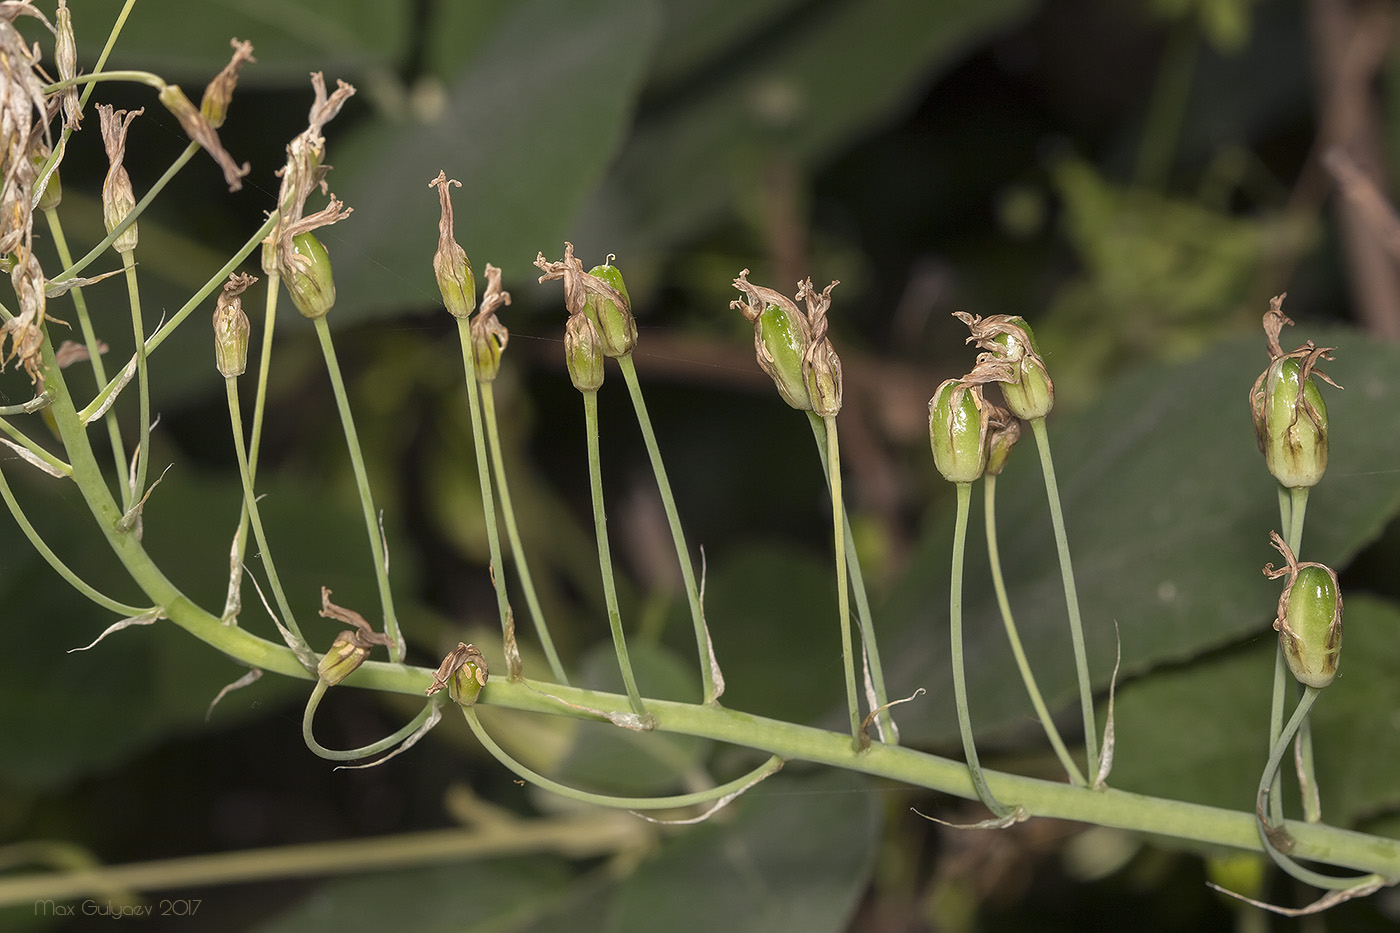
{"x": 843, "y": 605}
{"x": 974, "y": 767}
{"x": 1307, "y": 771}
{"x": 1012, "y": 635}
{"x": 483, "y": 473}
{"x": 527, "y": 581}
{"x": 600, "y": 526}
{"x": 1076, "y": 627}
{"x": 889, "y": 732}
{"x": 357, "y": 463}
{"x": 94, "y": 348}
{"x": 668, "y": 501}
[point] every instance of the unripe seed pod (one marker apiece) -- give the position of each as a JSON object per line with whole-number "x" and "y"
{"x": 1309, "y": 620}
{"x": 781, "y": 336}
{"x": 583, "y": 352}
{"x": 957, "y": 431}
{"x": 345, "y": 656}
{"x": 308, "y": 277}
{"x": 1290, "y": 421}
{"x": 611, "y": 313}
{"x": 463, "y": 672}
{"x": 1029, "y": 392}
{"x": 1003, "y": 432}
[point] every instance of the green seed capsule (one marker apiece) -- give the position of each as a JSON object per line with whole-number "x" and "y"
{"x": 611, "y": 314}
{"x": 308, "y": 277}
{"x": 957, "y": 431}
{"x": 346, "y": 654}
{"x": 463, "y": 672}
{"x": 1290, "y": 420}
{"x": 230, "y": 336}
{"x": 1311, "y": 629}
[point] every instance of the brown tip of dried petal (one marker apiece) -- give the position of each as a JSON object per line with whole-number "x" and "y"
{"x": 219, "y": 92}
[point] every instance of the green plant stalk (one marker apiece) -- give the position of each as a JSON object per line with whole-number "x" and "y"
{"x": 710, "y": 795}
{"x": 56, "y": 562}
{"x": 141, "y": 205}
{"x": 240, "y": 537}
{"x": 668, "y": 501}
{"x": 483, "y": 474}
{"x": 889, "y": 732}
{"x": 843, "y": 603}
{"x": 1004, "y": 603}
{"x": 24, "y": 441}
{"x": 1076, "y": 627}
{"x": 250, "y": 502}
{"x": 1107, "y": 807}
{"x": 580, "y": 835}
{"x": 1271, "y": 769}
{"x": 527, "y": 582}
{"x": 214, "y": 284}
{"x": 357, "y": 463}
{"x": 99, "y": 371}
{"x": 1307, "y": 771}
{"x": 600, "y": 526}
{"x": 142, "y": 455}
{"x": 974, "y": 767}
{"x": 308, "y": 717}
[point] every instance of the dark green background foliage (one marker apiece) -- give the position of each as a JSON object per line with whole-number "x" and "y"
{"x": 1134, "y": 178}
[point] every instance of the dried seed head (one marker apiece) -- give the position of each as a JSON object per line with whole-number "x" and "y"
{"x": 463, "y": 672}
{"x": 65, "y": 53}
{"x": 488, "y": 335}
{"x": 957, "y": 430}
{"x": 304, "y": 172}
{"x": 25, "y": 330}
{"x": 308, "y": 277}
{"x": 199, "y": 129}
{"x": 231, "y": 327}
{"x": 450, "y": 264}
{"x": 23, "y": 121}
{"x": 1003, "y": 431}
{"x": 1029, "y": 392}
{"x": 351, "y": 648}
{"x": 1309, "y": 619}
{"x": 583, "y": 353}
{"x": 1290, "y": 416}
{"x": 219, "y": 92}
{"x": 118, "y": 200}
{"x": 821, "y": 367}
{"x": 781, "y": 338}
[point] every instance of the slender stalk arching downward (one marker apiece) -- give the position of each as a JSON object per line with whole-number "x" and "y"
{"x": 488, "y": 502}
{"x": 1076, "y": 627}
{"x": 517, "y": 548}
{"x": 875, "y": 671}
{"x": 974, "y": 767}
{"x": 1009, "y": 622}
{"x": 357, "y": 462}
{"x": 600, "y": 525}
{"x": 673, "y": 519}
{"x": 843, "y": 600}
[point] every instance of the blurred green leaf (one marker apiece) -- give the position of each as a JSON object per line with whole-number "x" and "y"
{"x": 528, "y": 124}
{"x": 1169, "y": 506}
{"x": 831, "y": 73}
{"x": 792, "y": 857}
{"x": 290, "y": 37}
{"x": 1201, "y": 733}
